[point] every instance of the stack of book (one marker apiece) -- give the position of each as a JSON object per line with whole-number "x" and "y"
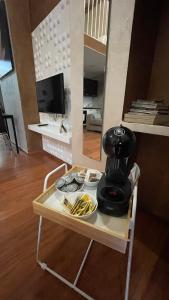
{"x": 148, "y": 112}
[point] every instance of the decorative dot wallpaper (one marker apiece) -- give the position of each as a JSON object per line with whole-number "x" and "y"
{"x": 51, "y": 43}
{"x": 51, "y": 49}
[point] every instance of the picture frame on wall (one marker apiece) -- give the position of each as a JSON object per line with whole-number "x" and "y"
{"x": 6, "y": 59}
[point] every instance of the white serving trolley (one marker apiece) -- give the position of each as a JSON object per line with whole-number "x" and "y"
{"x": 113, "y": 232}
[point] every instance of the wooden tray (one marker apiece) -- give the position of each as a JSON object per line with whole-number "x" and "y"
{"x": 110, "y": 231}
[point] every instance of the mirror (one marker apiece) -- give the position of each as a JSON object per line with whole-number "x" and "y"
{"x": 95, "y": 44}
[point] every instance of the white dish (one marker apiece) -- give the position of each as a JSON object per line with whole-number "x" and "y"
{"x": 72, "y": 198}
{"x": 92, "y": 183}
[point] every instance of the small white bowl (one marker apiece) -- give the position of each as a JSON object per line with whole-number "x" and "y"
{"x": 94, "y": 183}
{"x": 72, "y": 198}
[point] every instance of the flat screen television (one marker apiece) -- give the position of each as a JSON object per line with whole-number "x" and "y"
{"x": 90, "y": 87}
{"x": 50, "y": 94}
{"x": 6, "y": 61}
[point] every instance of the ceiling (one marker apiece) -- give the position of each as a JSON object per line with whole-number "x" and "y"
{"x": 94, "y": 63}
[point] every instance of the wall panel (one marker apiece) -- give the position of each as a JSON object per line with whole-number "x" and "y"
{"x": 51, "y": 49}
{"x": 19, "y": 23}
{"x": 39, "y": 9}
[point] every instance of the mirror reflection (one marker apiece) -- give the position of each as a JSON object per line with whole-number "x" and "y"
{"x": 95, "y": 43}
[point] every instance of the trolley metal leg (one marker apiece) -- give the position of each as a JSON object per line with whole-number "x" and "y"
{"x": 131, "y": 241}
{"x": 40, "y": 218}
{"x": 39, "y": 239}
{"x": 129, "y": 265}
{"x": 44, "y": 266}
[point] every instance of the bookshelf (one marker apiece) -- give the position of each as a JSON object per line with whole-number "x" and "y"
{"x": 148, "y": 67}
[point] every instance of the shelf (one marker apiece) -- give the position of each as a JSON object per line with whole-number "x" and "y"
{"x": 145, "y": 128}
{"x": 50, "y": 132}
{"x": 91, "y": 107}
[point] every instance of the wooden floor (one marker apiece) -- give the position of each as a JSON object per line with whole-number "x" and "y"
{"x": 21, "y": 180}
{"x": 91, "y": 144}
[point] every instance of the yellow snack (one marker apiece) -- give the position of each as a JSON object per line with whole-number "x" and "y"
{"x": 82, "y": 206}
{"x": 85, "y": 197}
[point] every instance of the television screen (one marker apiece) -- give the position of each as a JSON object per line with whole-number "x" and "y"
{"x": 6, "y": 62}
{"x": 90, "y": 87}
{"x": 50, "y": 94}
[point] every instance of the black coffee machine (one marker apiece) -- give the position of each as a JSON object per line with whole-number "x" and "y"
{"x": 114, "y": 187}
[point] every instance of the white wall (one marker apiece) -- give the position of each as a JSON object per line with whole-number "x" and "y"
{"x": 51, "y": 48}
{"x": 12, "y": 105}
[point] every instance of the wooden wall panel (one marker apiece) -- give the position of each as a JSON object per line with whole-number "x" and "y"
{"x": 159, "y": 87}
{"x": 148, "y": 73}
{"x": 94, "y": 44}
{"x": 153, "y": 159}
{"x": 154, "y": 150}
{"x": 143, "y": 40}
{"x": 39, "y": 9}
{"x": 19, "y": 23}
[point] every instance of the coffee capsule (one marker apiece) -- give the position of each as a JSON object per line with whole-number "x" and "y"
{"x": 60, "y": 183}
{"x": 72, "y": 187}
{"x": 68, "y": 179}
{"x": 79, "y": 179}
